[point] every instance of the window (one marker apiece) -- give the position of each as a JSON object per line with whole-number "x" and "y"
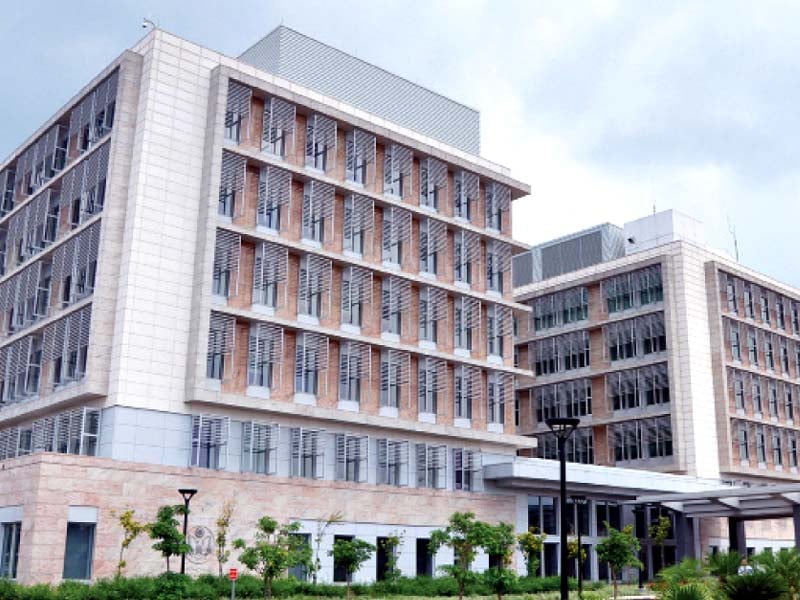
{"x": 34, "y": 367}
{"x": 498, "y": 200}
{"x": 430, "y": 378}
{"x": 431, "y": 466}
{"x": 466, "y": 466}
{"x": 356, "y": 212}
{"x": 659, "y": 437}
{"x": 392, "y": 462}
{"x": 314, "y": 283}
{"x": 234, "y": 118}
{"x": 561, "y": 308}
{"x": 769, "y": 354}
{"x": 796, "y": 317}
{"x": 395, "y": 294}
{"x": 9, "y": 549}
{"x": 359, "y": 154}
{"x": 628, "y": 444}
{"x": 788, "y": 402}
{"x": 758, "y": 407}
{"x": 761, "y": 445}
{"x": 496, "y": 259}
{"x": 635, "y": 289}
{"x": 393, "y": 377}
{"x": 792, "y": 451}
{"x": 320, "y": 140}
{"x": 495, "y": 397}
{"x": 736, "y": 349}
{"x": 462, "y": 391}
{"x": 300, "y": 570}
{"x": 225, "y": 206}
{"x": 278, "y": 123}
{"x": 351, "y": 365}
{"x": 462, "y": 263}
{"x": 396, "y": 169}
{"x": 269, "y": 271}
{"x": 306, "y": 453}
{"x": 432, "y": 179}
{"x": 569, "y": 399}
{"x": 432, "y": 235}
{"x": 210, "y": 441}
{"x": 259, "y": 447}
{"x": 396, "y": 228}
{"x": 777, "y": 448}
{"x": 784, "y": 358}
{"x": 780, "y": 316}
{"x": 464, "y": 321}
{"x": 351, "y": 457}
{"x": 752, "y": 347}
{"x": 730, "y": 292}
{"x": 744, "y": 447}
{"x": 79, "y": 551}
{"x": 749, "y": 308}
{"x": 764, "y": 304}
{"x": 274, "y": 188}
{"x": 220, "y": 344}
{"x": 356, "y": 286}
{"x": 738, "y": 392}
{"x": 430, "y": 307}
{"x": 773, "y": 400}
{"x": 496, "y": 323}
{"x": 307, "y": 366}
{"x": 265, "y": 349}
{"x": 317, "y": 201}
{"x": 465, "y": 192}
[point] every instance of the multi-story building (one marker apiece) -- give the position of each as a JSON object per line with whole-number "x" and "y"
{"x": 674, "y": 356}
{"x": 293, "y": 292}
{"x": 282, "y": 280}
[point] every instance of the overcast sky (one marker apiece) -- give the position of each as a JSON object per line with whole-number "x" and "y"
{"x": 608, "y": 109}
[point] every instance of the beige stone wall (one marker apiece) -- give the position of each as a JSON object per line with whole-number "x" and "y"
{"x": 46, "y": 485}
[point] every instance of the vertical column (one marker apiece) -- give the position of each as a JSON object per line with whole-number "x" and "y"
{"x": 684, "y": 538}
{"x": 737, "y": 540}
{"x": 796, "y": 521}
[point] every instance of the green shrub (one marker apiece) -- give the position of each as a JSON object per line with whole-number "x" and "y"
{"x": 756, "y": 586}
{"x": 37, "y": 592}
{"x": 724, "y": 564}
{"x": 691, "y": 591}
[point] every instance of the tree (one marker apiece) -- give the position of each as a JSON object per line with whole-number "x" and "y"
{"x": 273, "y": 550}
{"x": 574, "y": 550}
{"x": 171, "y": 541}
{"x": 350, "y": 555}
{"x": 724, "y": 564}
{"x": 619, "y": 549}
{"x": 132, "y": 528}
{"x": 464, "y": 535}
{"x": 659, "y": 532}
{"x": 499, "y": 543}
{"x": 322, "y": 528}
{"x": 531, "y": 544}
{"x": 391, "y": 544}
{"x": 223, "y": 526}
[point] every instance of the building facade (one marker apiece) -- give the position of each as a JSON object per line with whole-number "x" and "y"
{"x": 218, "y": 276}
{"x": 675, "y": 357}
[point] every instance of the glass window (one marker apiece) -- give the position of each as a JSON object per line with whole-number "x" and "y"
{"x": 79, "y": 551}
{"x": 9, "y": 549}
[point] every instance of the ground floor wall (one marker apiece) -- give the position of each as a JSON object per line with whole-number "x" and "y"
{"x": 65, "y": 502}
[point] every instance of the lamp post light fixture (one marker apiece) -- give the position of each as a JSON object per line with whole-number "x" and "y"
{"x": 562, "y": 428}
{"x": 187, "y": 494}
{"x": 579, "y": 501}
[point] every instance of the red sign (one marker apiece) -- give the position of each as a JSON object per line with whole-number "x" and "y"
{"x": 233, "y": 574}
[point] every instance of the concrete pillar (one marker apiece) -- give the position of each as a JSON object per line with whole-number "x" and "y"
{"x": 737, "y": 541}
{"x": 684, "y": 537}
{"x": 796, "y": 520}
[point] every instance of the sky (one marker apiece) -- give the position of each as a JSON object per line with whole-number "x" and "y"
{"x": 608, "y": 109}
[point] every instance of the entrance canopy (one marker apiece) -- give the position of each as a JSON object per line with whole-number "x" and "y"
{"x": 748, "y": 503}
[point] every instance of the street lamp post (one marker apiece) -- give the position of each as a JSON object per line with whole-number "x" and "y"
{"x": 579, "y": 501}
{"x": 187, "y": 494}
{"x": 562, "y": 428}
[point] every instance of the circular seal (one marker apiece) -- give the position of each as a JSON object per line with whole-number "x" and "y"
{"x": 201, "y": 542}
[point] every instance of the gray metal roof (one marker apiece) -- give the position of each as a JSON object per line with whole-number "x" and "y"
{"x": 303, "y": 60}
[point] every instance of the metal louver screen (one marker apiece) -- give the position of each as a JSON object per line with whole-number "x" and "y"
{"x": 238, "y": 103}
{"x": 269, "y": 271}
{"x": 436, "y": 298}
{"x": 359, "y": 151}
{"x": 232, "y": 176}
{"x": 260, "y": 447}
{"x": 320, "y": 136}
{"x": 498, "y": 196}
{"x": 435, "y": 370}
{"x": 210, "y": 435}
{"x": 396, "y": 225}
{"x": 503, "y": 319}
{"x": 222, "y": 332}
{"x": 500, "y": 254}
{"x": 397, "y": 169}
{"x": 433, "y": 176}
{"x": 359, "y": 215}
{"x": 467, "y": 185}
{"x": 470, "y": 243}
{"x": 356, "y": 286}
{"x": 93, "y": 103}
{"x": 274, "y": 188}
{"x": 85, "y": 176}
{"x": 396, "y": 295}
{"x": 227, "y": 250}
{"x": 279, "y": 119}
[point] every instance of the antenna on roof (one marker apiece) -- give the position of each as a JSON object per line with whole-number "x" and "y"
{"x": 732, "y": 231}
{"x": 148, "y": 23}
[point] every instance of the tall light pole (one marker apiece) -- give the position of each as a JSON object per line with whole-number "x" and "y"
{"x": 579, "y": 501}
{"x": 187, "y": 494}
{"x": 562, "y": 428}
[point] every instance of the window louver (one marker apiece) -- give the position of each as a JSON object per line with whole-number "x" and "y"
{"x": 260, "y": 447}
{"x": 269, "y": 274}
{"x": 397, "y": 173}
{"x": 359, "y": 155}
{"x": 321, "y": 142}
{"x": 432, "y": 179}
{"x": 278, "y": 125}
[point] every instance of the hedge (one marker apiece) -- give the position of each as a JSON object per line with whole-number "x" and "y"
{"x": 172, "y": 586}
